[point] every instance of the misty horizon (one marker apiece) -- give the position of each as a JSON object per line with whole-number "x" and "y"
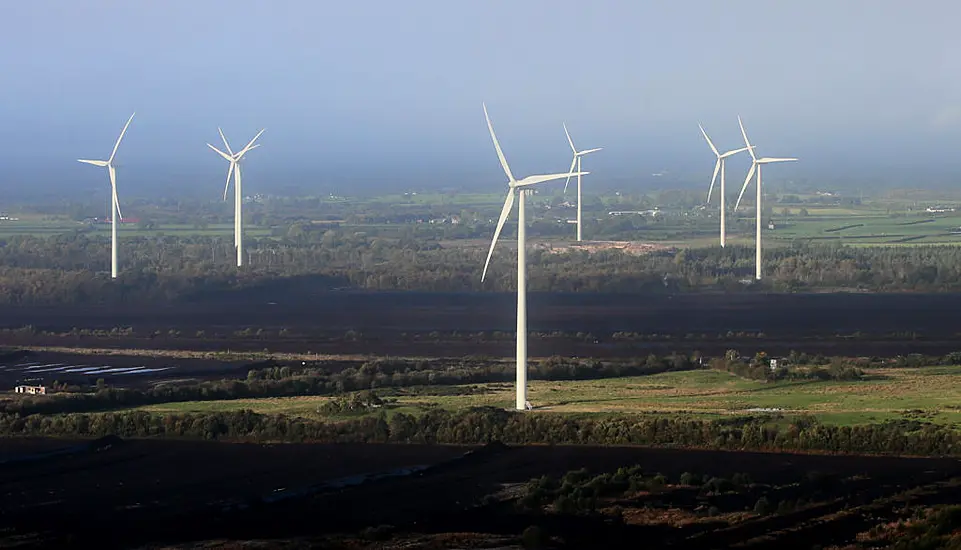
{"x": 864, "y": 93}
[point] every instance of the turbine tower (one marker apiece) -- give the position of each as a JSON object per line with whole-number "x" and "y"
{"x": 756, "y": 165}
{"x": 234, "y": 160}
{"x": 518, "y": 189}
{"x": 719, "y": 166}
{"x": 115, "y": 203}
{"x": 577, "y": 160}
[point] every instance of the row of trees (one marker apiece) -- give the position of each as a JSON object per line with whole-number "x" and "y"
{"x": 484, "y": 424}
{"x": 68, "y": 269}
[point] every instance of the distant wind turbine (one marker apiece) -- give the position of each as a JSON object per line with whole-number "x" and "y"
{"x": 115, "y": 203}
{"x": 234, "y": 160}
{"x": 577, "y": 160}
{"x": 719, "y": 166}
{"x": 756, "y": 165}
{"x": 518, "y": 188}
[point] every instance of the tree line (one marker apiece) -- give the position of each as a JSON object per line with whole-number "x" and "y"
{"x": 71, "y": 269}
{"x": 482, "y": 425}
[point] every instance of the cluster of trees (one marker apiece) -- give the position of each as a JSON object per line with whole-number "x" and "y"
{"x": 759, "y": 367}
{"x": 484, "y": 424}
{"x": 70, "y": 268}
{"x": 578, "y": 491}
{"x": 935, "y": 527}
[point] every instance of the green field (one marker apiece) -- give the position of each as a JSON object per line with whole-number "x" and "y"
{"x": 857, "y": 226}
{"x": 929, "y": 394}
{"x": 41, "y": 227}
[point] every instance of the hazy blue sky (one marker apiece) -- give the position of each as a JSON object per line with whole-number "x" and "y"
{"x": 353, "y": 91}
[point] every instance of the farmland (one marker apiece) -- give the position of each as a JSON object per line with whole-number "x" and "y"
{"x": 930, "y": 394}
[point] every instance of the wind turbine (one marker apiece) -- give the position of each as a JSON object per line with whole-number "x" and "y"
{"x": 756, "y": 165}
{"x": 577, "y": 160}
{"x": 719, "y": 166}
{"x": 234, "y": 160}
{"x": 115, "y": 203}
{"x": 518, "y": 188}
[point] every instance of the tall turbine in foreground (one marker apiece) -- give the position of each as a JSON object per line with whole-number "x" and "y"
{"x": 517, "y": 188}
{"x": 115, "y": 203}
{"x": 756, "y": 165}
{"x": 234, "y": 160}
{"x": 577, "y": 160}
{"x": 719, "y": 166}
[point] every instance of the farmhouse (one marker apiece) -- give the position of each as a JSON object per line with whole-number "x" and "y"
{"x": 32, "y": 390}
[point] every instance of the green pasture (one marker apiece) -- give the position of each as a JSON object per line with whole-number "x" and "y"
{"x": 928, "y": 394}
{"x": 48, "y": 227}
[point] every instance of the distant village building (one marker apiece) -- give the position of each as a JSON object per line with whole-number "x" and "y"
{"x": 770, "y": 224}
{"x": 31, "y": 390}
{"x": 939, "y": 209}
{"x": 653, "y": 212}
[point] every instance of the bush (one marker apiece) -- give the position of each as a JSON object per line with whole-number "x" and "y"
{"x": 762, "y": 507}
{"x": 533, "y": 538}
{"x": 687, "y": 478}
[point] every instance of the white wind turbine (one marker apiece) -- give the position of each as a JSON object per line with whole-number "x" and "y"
{"x": 115, "y": 203}
{"x": 719, "y": 166}
{"x": 577, "y": 160}
{"x": 756, "y": 165}
{"x": 518, "y": 188}
{"x": 234, "y": 160}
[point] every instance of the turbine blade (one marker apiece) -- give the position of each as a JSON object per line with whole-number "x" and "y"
{"x": 113, "y": 191}
{"x": 230, "y": 172}
{"x": 747, "y": 180}
{"x": 582, "y": 153}
{"x": 569, "y": 172}
{"x": 508, "y": 204}
{"x": 249, "y": 145}
{"x": 717, "y": 167}
{"x": 497, "y": 146}
{"x": 223, "y": 137}
{"x": 711, "y": 144}
{"x": 769, "y": 160}
{"x": 531, "y": 180}
{"x": 569, "y": 140}
{"x": 746, "y": 142}
{"x": 122, "y": 132}
{"x": 735, "y": 151}
{"x": 221, "y": 153}
{"x": 100, "y": 163}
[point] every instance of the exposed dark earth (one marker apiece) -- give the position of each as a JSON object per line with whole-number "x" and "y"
{"x": 247, "y": 491}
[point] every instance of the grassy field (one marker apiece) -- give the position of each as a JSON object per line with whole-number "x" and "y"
{"x": 931, "y": 394}
{"x": 822, "y": 224}
{"x": 46, "y": 227}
